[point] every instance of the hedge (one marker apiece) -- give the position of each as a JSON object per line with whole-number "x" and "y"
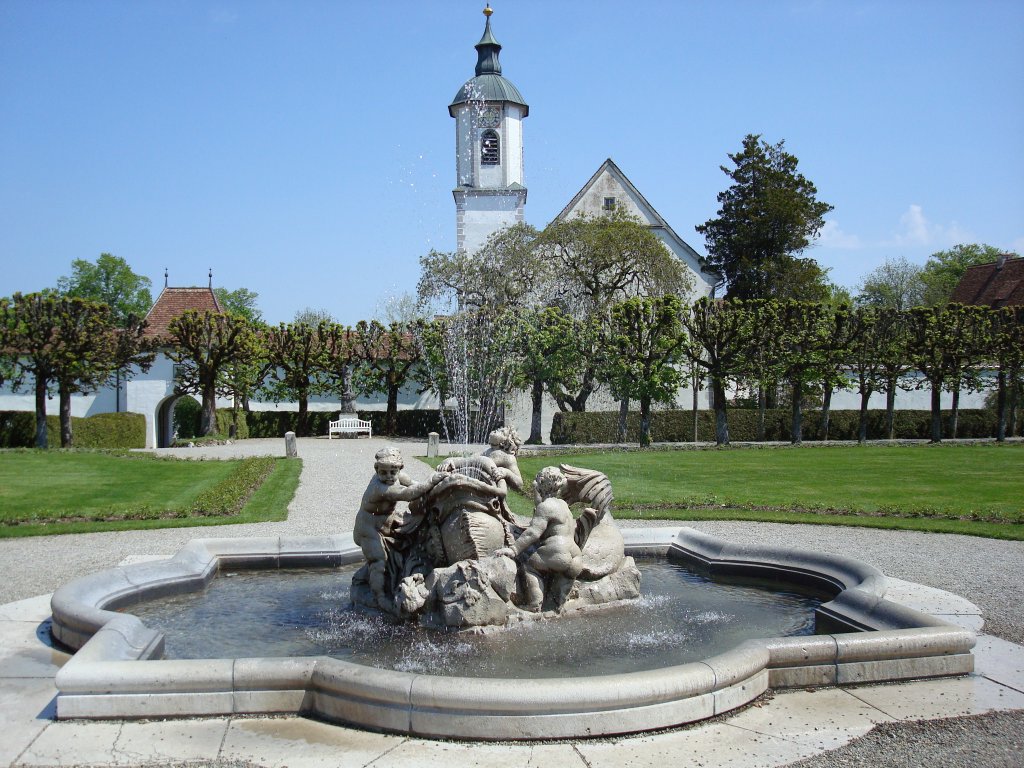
{"x": 410, "y": 423}
{"x": 102, "y": 430}
{"x": 677, "y": 426}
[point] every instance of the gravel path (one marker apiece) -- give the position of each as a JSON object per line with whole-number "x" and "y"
{"x": 988, "y": 572}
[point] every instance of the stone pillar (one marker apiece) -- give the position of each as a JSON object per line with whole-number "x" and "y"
{"x": 433, "y": 441}
{"x": 290, "y": 448}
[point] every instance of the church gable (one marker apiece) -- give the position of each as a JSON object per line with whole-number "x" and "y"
{"x": 609, "y": 189}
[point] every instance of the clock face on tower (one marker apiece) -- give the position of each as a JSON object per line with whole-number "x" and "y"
{"x": 490, "y": 117}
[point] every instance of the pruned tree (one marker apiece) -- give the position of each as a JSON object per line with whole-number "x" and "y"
{"x": 944, "y": 344}
{"x": 1008, "y": 354}
{"x": 805, "y": 338}
{"x": 385, "y": 356}
{"x": 767, "y": 217}
{"x": 643, "y": 343}
{"x": 878, "y": 358}
{"x": 841, "y": 331}
{"x": 719, "y": 333}
{"x": 295, "y": 354}
{"x": 340, "y": 354}
{"x": 551, "y": 352}
{"x": 206, "y": 345}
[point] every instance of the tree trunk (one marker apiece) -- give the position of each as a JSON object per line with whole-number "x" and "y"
{"x": 645, "y": 420}
{"x": 862, "y": 425}
{"x": 826, "y": 410}
{"x": 1001, "y": 408}
{"x": 623, "y": 417}
{"x": 1014, "y": 398}
{"x": 796, "y": 436}
{"x": 955, "y": 413}
{"x": 41, "y": 441}
{"x": 890, "y": 409}
{"x": 696, "y": 434}
{"x": 65, "y": 416}
{"x": 391, "y": 417}
{"x": 936, "y": 413}
{"x": 537, "y": 397}
{"x": 721, "y": 419}
{"x": 348, "y": 404}
{"x": 302, "y": 423}
{"x": 208, "y": 416}
{"x": 762, "y": 405}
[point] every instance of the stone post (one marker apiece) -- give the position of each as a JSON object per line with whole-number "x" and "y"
{"x": 291, "y": 450}
{"x": 433, "y": 441}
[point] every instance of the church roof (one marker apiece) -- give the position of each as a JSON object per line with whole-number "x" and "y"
{"x": 172, "y": 303}
{"x": 997, "y": 284}
{"x": 488, "y": 85}
{"x": 654, "y": 219}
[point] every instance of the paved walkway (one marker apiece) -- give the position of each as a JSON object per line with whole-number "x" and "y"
{"x": 783, "y": 729}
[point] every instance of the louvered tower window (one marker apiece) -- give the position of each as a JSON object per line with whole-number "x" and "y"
{"x": 490, "y": 150}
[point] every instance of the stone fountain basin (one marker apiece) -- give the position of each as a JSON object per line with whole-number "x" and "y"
{"x": 118, "y": 671}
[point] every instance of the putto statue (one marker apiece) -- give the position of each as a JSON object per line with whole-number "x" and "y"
{"x": 458, "y": 557}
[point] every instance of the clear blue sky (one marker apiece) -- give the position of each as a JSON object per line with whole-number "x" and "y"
{"x": 304, "y": 150}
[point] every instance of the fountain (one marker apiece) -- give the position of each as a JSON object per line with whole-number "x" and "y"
{"x": 459, "y": 564}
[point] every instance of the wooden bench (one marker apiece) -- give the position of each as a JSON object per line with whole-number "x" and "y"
{"x": 349, "y": 424}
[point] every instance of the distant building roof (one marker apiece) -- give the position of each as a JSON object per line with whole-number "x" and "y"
{"x": 173, "y": 302}
{"x": 998, "y": 284}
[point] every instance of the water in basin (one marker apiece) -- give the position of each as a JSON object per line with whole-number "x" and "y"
{"x": 682, "y": 616}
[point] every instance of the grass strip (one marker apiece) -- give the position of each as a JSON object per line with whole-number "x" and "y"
{"x": 71, "y": 492}
{"x": 969, "y": 489}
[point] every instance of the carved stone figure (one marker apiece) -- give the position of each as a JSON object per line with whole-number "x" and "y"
{"x": 552, "y": 530}
{"x": 460, "y": 558}
{"x": 374, "y": 530}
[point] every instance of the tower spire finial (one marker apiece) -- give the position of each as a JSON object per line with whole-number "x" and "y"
{"x": 488, "y": 11}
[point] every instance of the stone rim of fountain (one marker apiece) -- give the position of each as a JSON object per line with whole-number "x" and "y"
{"x": 118, "y": 672}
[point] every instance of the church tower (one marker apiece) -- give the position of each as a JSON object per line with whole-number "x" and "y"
{"x": 488, "y": 112}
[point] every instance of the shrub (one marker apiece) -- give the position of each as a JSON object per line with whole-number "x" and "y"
{"x": 276, "y": 423}
{"x": 102, "y": 430}
{"x": 225, "y": 418}
{"x": 676, "y": 426}
{"x": 187, "y": 411}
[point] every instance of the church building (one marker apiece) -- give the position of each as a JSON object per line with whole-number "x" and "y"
{"x": 490, "y": 193}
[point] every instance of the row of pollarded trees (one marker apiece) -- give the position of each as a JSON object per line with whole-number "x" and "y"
{"x": 803, "y": 345}
{"x": 226, "y": 354}
{"x": 52, "y": 343}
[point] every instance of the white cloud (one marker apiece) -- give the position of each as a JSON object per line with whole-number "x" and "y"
{"x": 832, "y": 236}
{"x": 917, "y": 230}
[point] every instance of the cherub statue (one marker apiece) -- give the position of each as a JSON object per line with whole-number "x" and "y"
{"x": 552, "y": 529}
{"x": 375, "y": 521}
{"x": 502, "y": 446}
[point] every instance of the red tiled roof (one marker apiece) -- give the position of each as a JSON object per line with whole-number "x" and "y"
{"x": 173, "y": 302}
{"x": 999, "y": 284}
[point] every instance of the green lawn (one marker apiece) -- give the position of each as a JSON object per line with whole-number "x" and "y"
{"x": 972, "y": 489}
{"x": 70, "y": 491}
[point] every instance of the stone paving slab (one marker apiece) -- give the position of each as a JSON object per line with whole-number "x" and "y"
{"x": 823, "y": 719}
{"x": 1000, "y": 661}
{"x": 719, "y": 744}
{"x": 301, "y": 743}
{"x": 930, "y": 699}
